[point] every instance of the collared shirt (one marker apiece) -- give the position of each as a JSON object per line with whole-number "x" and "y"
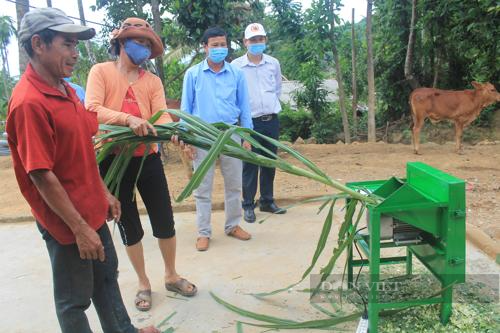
{"x": 48, "y": 130}
{"x": 216, "y": 97}
{"x": 264, "y": 84}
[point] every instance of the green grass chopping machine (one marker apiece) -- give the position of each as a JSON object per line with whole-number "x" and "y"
{"x": 425, "y": 213}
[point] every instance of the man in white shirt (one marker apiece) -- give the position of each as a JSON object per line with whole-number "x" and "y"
{"x": 263, "y": 75}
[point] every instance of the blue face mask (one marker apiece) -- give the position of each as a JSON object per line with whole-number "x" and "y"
{"x": 257, "y": 49}
{"x": 217, "y": 54}
{"x": 137, "y": 53}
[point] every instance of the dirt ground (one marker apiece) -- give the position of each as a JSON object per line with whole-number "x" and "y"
{"x": 479, "y": 166}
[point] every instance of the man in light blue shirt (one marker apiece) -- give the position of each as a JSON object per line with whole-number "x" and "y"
{"x": 80, "y": 92}
{"x": 216, "y": 91}
{"x": 263, "y": 74}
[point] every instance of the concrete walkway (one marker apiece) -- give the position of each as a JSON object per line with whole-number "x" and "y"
{"x": 276, "y": 257}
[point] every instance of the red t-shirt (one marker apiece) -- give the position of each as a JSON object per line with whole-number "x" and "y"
{"x": 130, "y": 106}
{"x": 48, "y": 130}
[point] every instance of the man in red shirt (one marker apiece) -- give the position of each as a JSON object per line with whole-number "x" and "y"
{"x": 50, "y": 136}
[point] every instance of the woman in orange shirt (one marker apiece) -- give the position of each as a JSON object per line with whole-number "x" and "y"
{"x": 122, "y": 93}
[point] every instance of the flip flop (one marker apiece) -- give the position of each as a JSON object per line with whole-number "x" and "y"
{"x": 180, "y": 286}
{"x": 145, "y": 297}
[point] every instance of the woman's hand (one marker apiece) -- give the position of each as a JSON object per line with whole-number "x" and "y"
{"x": 141, "y": 127}
{"x": 188, "y": 150}
{"x": 247, "y": 145}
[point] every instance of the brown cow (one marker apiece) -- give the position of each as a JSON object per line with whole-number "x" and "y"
{"x": 462, "y": 107}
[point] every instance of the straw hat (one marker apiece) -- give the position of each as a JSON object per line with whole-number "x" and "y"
{"x": 134, "y": 27}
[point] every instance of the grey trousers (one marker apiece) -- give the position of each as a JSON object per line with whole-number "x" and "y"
{"x": 232, "y": 173}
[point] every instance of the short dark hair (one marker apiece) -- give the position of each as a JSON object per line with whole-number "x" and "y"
{"x": 212, "y": 32}
{"x": 46, "y": 35}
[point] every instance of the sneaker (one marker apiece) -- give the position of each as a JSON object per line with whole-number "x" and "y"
{"x": 239, "y": 233}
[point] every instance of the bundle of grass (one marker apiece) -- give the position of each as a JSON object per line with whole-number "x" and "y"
{"x": 219, "y": 139}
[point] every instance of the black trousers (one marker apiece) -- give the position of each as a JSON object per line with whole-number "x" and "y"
{"x": 153, "y": 187}
{"x": 251, "y": 171}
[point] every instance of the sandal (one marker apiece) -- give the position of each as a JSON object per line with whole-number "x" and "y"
{"x": 144, "y": 297}
{"x": 181, "y": 287}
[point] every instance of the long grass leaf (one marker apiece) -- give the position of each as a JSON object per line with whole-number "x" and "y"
{"x": 239, "y": 327}
{"x": 205, "y": 165}
{"x": 154, "y": 118}
{"x": 325, "y": 232}
{"x": 169, "y": 330}
{"x": 311, "y": 324}
{"x": 326, "y": 271}
{"x": 164, "y": 321}
{"x": 249, "y": 314}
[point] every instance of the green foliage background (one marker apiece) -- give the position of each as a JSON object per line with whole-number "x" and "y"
{"x": 456, "y": 42}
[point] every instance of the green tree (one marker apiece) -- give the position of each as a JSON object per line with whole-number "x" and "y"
{"x": 192, "y": 18}
{"x": 7, "y": 30}
{"x": 119, "y": 10}
{"x": 82, "y": 68}
{"x": 456, "y": 42}
{"x": 285, "y": 29}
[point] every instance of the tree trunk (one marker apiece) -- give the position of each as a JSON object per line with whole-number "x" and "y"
{"x": 338, "y": 74}
{"x": 437, "y": 66}
{"x": 22, "y": 7}
{"x": 155, "y": 8}
{"x": 49, "y": 3}
{"x": 371, "y": 76}
{"x": 409, "y": 50}
{"x": 354, "y": 83}
{"x": 88, "y": 47}
{"x": 6, "y": 61}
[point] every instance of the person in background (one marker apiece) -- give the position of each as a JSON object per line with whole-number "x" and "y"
{"x": 263, "y": 74}
{"x": 216, "y": 91}
{"x": 80, "y": 92}
{"x": 122, "y": 93}
{"x": 50, "y": 136}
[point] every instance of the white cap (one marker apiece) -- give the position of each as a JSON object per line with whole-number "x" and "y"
{"x": 254, "y": 29}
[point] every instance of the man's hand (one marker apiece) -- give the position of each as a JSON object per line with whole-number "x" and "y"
{"x": 141, "y": 127}
{"x": 188, "y": 150}
{"x": 114, "y": 209}
{"x": 88, "y": 242}
{"x": 149, "y": 329}
{"x": 53, "y": 193}
{"x": 247, "y": 145}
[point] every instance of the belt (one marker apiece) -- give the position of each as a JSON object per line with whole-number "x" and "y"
{"x": 266, "y": 117}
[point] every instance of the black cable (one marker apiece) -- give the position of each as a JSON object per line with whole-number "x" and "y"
{"x": 76, "y": 18}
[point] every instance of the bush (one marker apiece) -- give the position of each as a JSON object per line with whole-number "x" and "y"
{"x": 327, "y": 129}
{"x": 294, "y": 123}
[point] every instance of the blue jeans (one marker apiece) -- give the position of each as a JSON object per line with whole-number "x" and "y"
{"x": 269, "y": 128}
{"x": 77, "y": 282}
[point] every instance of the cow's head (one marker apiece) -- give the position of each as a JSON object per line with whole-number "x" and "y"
{"x": 487, "y": 93}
